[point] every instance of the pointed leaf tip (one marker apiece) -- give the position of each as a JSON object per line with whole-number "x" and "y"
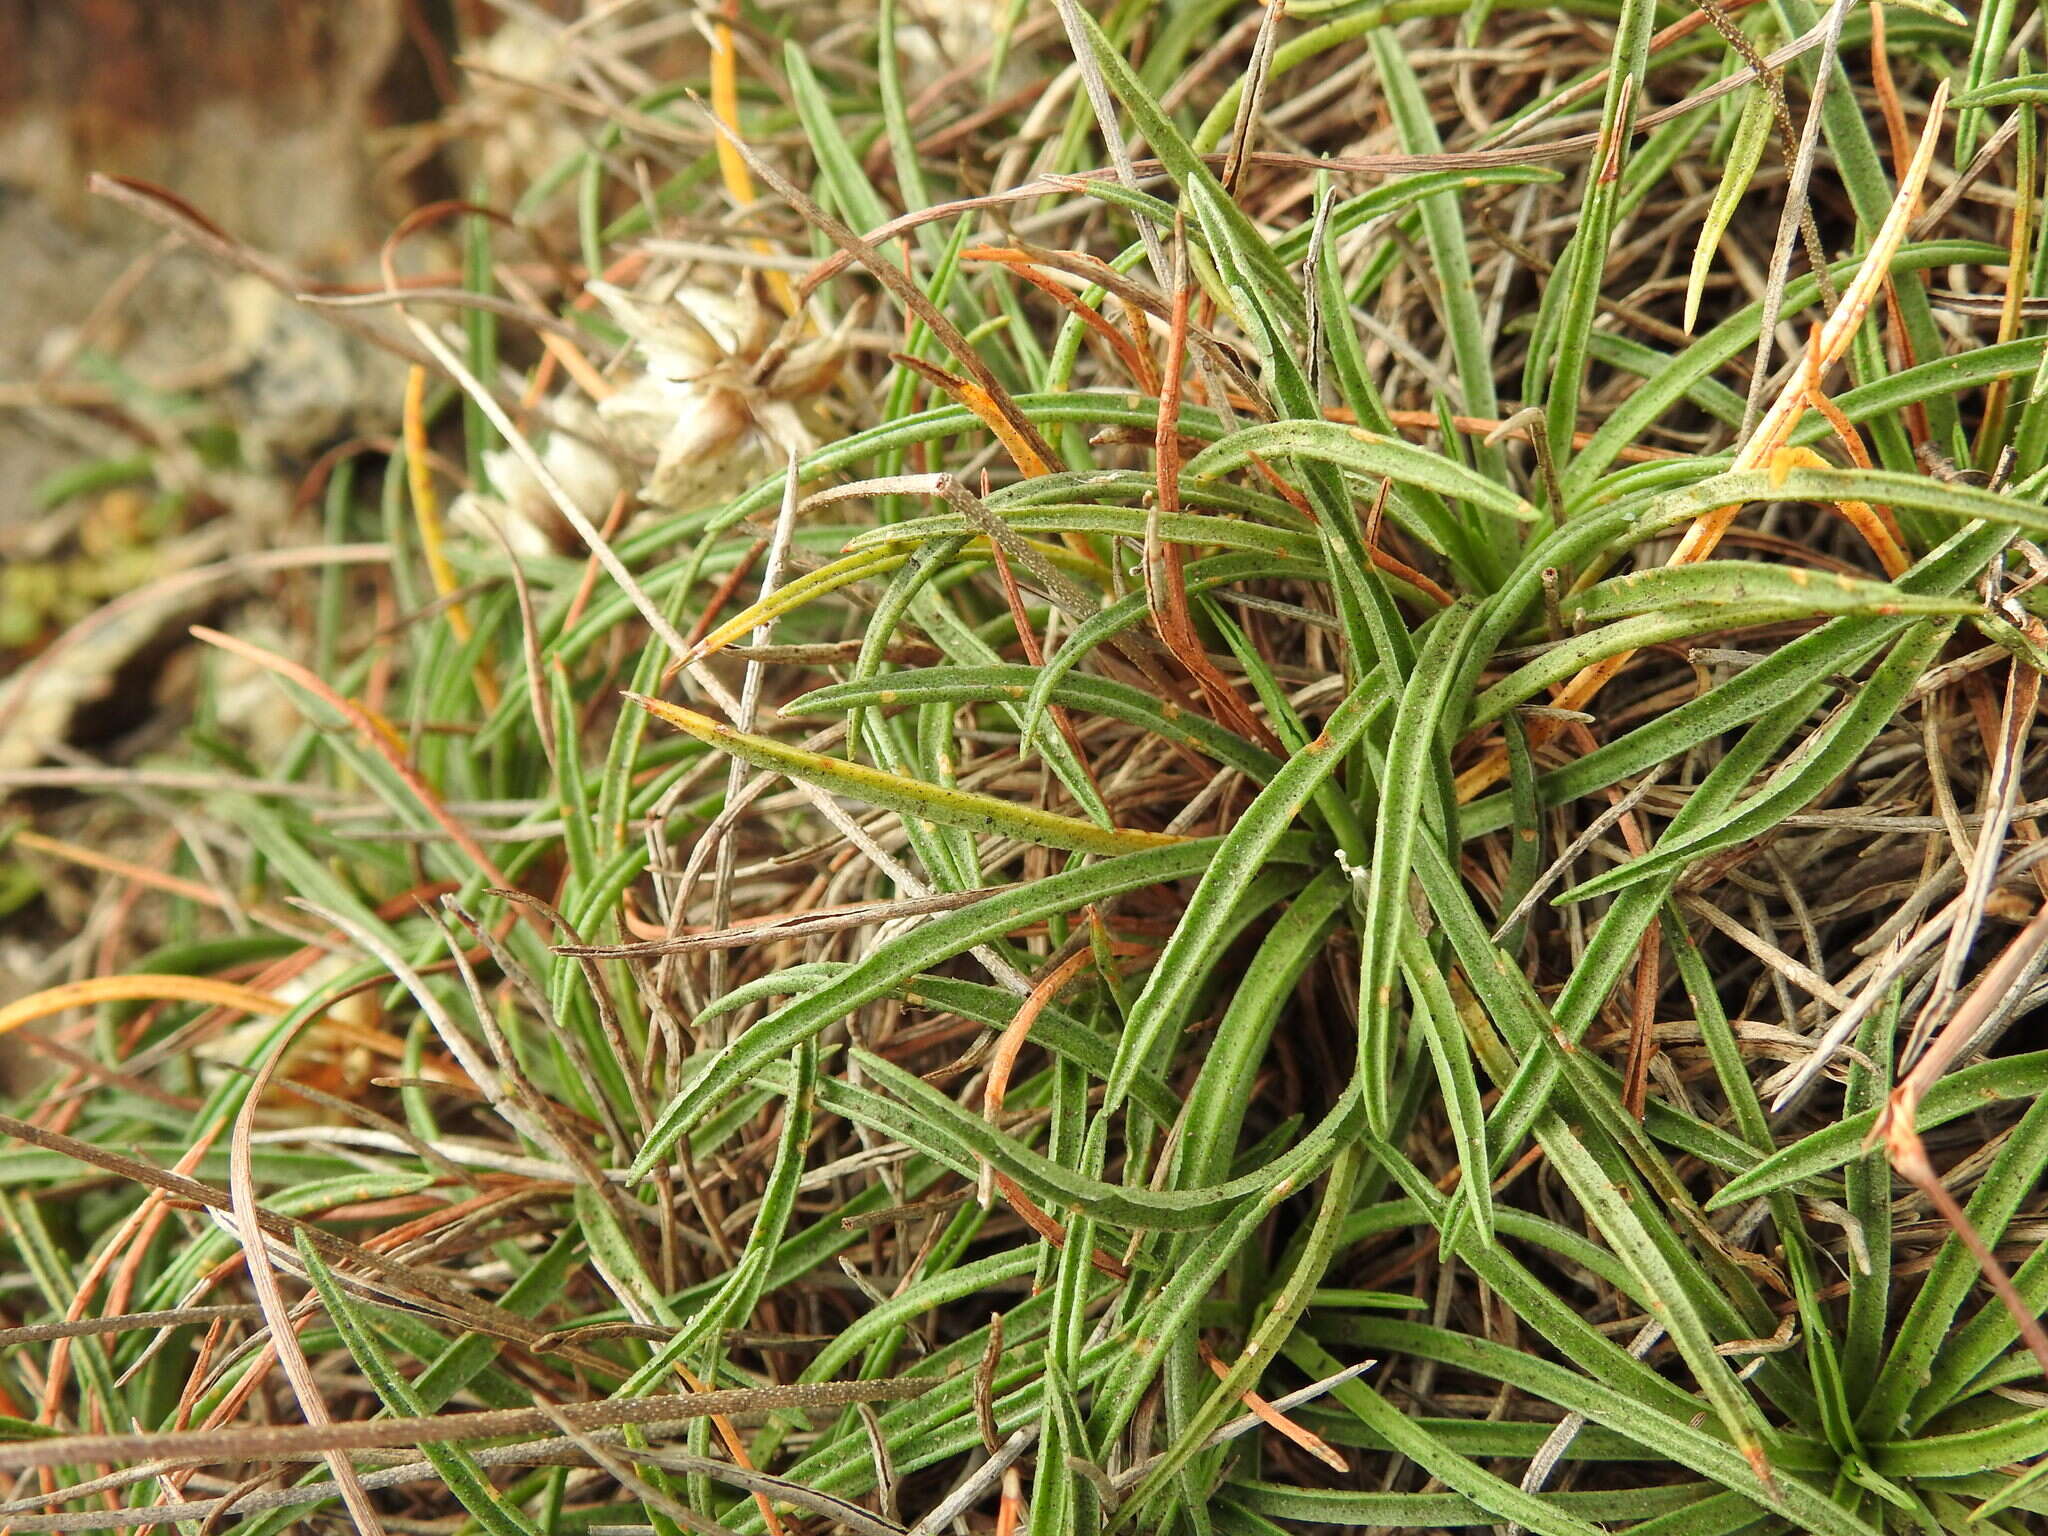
{"x": 703, "y": 727}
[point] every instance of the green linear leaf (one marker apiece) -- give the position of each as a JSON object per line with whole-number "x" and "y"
{"x": 964, "y": 808}
{"x": 1415, "y": 758}
{"x": 931, "y": 943}
{"x": 1362, "y": 452}
{"x": 1191, "y": 953}
{"x": 1817, "y": 762}
{"x": 1963, "y": 1092}
{"x": 1745, "y": 153}
{"x": 1797, "y": 589}
{"x": 458, "y": 1468}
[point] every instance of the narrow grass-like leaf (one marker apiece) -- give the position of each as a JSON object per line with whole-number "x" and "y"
{"x": 2013, "y": 91}
{"x": 2015, "y": 1175}
{"x": 863, "y": 565}
{"x": 932, "y": 942}
{"x": 1745, "y": 153}
{"x": 1738, "y": 582}
{"x": 1190, "y": 953}
{"x": 1217, "y": 1104}
{"x": 907, "y": 796}
{"x": 458, "y": 1468}
{"x": 1360, "y": 452}
{"x": 1585, "y": 259}
{"x": 1414, "y": 751}
{"x": 1960, "y": 1093}
{"x": 1819, "y": 760}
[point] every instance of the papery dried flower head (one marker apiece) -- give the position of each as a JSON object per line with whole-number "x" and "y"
{"x": 722, "y": 396}
{"x": 523, "y": 509}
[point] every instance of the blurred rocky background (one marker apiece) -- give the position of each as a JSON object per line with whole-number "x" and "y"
{"x": 157, "y": 410}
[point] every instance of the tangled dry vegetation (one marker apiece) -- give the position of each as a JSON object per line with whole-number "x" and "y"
{"x": 1197, "y": 769}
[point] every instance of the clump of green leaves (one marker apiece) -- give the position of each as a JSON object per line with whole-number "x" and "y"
{"x": 1222, "y": 828}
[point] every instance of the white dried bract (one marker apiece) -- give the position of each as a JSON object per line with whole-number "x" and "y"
{"x": 957, "y": 36}
{"x": 519, "y": 132}
{"x": 523, "y": 510}
{"x": 721, "y": 397}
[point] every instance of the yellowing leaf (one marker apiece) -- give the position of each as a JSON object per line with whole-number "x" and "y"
{"x": 908, "y": 797}
{"x": 794, "y": 594}
{"x": 1744, "y": 155}
{"x": 138, "y": 989}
